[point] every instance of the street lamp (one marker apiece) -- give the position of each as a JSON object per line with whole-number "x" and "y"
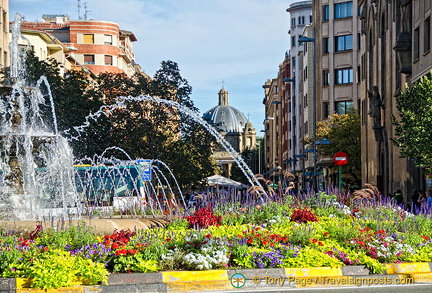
{"x": 302, "y": 40}
{"x": 279, "y": 146}
{"x": 273, "y": 142}
{"x": 294, "y": 121}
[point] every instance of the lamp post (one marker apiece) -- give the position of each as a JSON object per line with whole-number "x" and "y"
{"x": 302, "y": 40}
{"x": 273, "y": 142}
{"x": 279, "y": 126}
{"x": 259, "y": 155}
{"x": 286, "y": 79}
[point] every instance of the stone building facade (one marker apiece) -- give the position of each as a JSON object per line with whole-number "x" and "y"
{"x": 395, "y": 52}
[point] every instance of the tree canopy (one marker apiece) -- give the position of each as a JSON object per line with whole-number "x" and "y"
{"x": 413, "y": 133}
{"x": 141, "y": 128}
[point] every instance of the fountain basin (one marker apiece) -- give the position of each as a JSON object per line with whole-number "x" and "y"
{"x": 101, "y": 226}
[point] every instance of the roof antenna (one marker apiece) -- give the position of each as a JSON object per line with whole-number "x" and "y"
{"x": 79, "y": 9}
{"x": 86, "y": 12}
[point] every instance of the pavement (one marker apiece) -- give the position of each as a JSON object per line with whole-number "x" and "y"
{"x": 245, "y": 280}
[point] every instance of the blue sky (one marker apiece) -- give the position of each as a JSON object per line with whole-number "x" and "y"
{"x": 239, "y": 41}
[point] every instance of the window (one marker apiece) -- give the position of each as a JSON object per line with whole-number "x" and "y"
{"x": 427, "y": 36}
{"x": 108, "y": 40}
{"x": 5, "y": 21}
{"x": 343, "y": 107}
{"x": 293, "y": 40}
{"x": 326, "y": 110}
{"x": 89, "y": 59}
{"x": 358, "y": 41}
{"x": 305, "y": 101}
{"x": 326, "y": 77}
{"x": 292, "y": 21}
{"x": 343, "y": 10}
{"x": 88, "y": 39}
{"x": 293, "y": 62}
{"x": 326, "y": 13}
{"x": 301, "y": 20}
{"x": 343, "y": 43}
{"x": 108, "y": 60}
{"x": 326, "y": 45}
{"x": 343, "y": 76}
{"x": 416, "y": 47}
{"x": 310, "y": 18}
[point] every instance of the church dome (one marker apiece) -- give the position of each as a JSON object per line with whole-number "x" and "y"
{"x": 225, "y": 117}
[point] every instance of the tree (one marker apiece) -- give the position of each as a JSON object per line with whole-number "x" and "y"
{"x": 412, "y": 129}
{"x": 344, "y": 132}
{"x": 159, "y": 131}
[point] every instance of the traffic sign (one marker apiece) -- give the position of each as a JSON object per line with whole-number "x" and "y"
{"x": 340, "y": 158}
{"x": 145, "y": 169}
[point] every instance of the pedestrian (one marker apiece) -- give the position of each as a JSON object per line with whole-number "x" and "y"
{"x": 422, "y": 200}
{"x": 398, "y": 196}
{"x": 429, "y": 199}
{"x": 415, "y": 205}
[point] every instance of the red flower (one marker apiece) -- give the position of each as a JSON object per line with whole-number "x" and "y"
{"x": 208, "y": 236}
{"x": 46, "y": 248}
{"x": 115, "y": 246}
{"x": 314, "y": 240}
{"x": 249, "y": 241}
{"x": 326, "y": 233}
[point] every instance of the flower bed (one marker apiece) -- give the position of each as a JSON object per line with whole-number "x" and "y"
{"x": 283, "y": 233}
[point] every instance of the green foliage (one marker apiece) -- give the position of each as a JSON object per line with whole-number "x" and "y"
{"x": 79, "y": 235}
{"x": 57, "y": 268}
{"x": 344, "y": 133}
{"x": 134, "y": 263}
{"x": 178, "y": 224}
{"x": 241, "y": 256}
{"x": 412, "y": 128}
{"x": 309, "y": 258}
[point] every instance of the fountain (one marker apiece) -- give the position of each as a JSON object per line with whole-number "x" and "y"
{"x": 35, "y": 162}
{"x": 39, "y": 180}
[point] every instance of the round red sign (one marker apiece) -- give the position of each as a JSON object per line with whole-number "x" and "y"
{"x": 340, "y": 158}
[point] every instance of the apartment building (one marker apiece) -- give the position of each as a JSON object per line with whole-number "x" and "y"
{"x": 272, "y": 122}
{"x": 100, "y": 46}
{"x": 4, "y": 33}
{"x": 298, "y": 118}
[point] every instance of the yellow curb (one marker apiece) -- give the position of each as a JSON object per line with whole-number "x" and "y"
{"x": 313, "y": 272}
{"x": 187, "y": 276}
{"x": 188, "y": 281}
{"x": 390, "y": 268}
{"x": 192, "y": 286}
{"x": 422, "y": 277}
{"x": 196, "y": 280}
{"x": 23, "y": 283}
{"x": 78, "y": 289}
{"x": 408, "y": 268}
